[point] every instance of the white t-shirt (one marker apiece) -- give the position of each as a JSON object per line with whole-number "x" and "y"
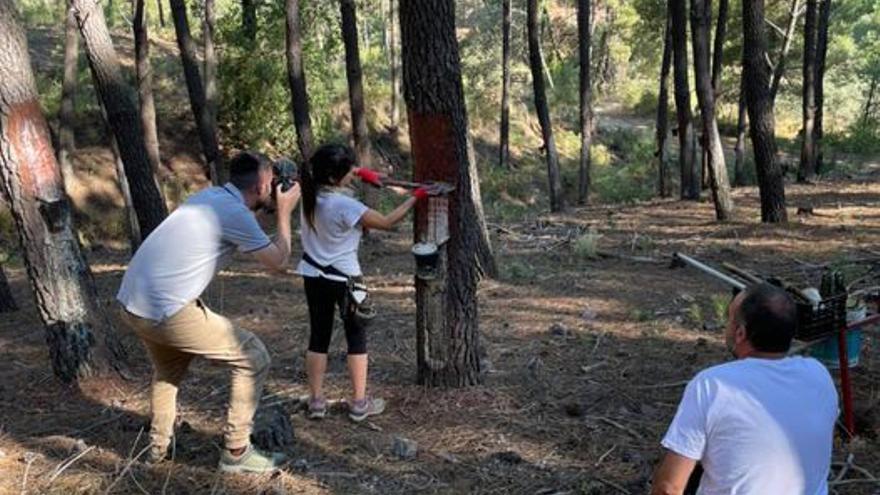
{"x": 336, "y": 237}
{"x": 758, "y": 426}
{"x": 177, "y": 261}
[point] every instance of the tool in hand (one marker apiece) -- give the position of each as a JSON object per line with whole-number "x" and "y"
{"x": 377, "y": 179}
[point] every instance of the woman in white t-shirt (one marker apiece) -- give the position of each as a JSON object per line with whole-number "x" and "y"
{"x": 332, "y": 225}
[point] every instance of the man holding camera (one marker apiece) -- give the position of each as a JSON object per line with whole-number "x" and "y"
{"x": 160, "y": 301}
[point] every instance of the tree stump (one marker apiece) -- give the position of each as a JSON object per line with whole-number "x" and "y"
{"x": 272, "y": 429}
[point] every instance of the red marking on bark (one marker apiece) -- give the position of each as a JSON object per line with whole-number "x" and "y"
{"x": 28, "y": 135}
{"x": 434, "y": 157}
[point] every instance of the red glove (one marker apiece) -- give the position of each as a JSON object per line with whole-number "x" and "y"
{"x": 369, "y": 176}
{"x": 421, "y": 193}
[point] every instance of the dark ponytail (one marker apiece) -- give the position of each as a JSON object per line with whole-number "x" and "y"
{"x": 327, "y": 166}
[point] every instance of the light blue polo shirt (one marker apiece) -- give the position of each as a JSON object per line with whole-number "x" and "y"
{"x": 178, "y": 260}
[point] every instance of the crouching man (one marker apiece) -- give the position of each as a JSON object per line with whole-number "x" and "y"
{"x": 160, "y": 302}
{"x": 759, "y": 425}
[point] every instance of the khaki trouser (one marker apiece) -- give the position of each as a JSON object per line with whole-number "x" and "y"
{"x": 195, "y": 331}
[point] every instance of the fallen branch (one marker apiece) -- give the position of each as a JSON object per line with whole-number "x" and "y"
{"x": 619, "y": 426}
{"x": 626, "y": 257}
{"x": 663, "y": 385}
{"x": 613, "y": 485}
{"x": 66, "y": 464}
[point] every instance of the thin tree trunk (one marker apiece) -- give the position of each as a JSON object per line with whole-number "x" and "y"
{"x": 394, "y": 65}
{"x": 161, "y": 13}
{"x": 145, "y": 85}
{"x": 66, "y": 140}
{"x": 296, "y": 79}
{"x": 760, "y": 108}
{"x": 118, "y": 100}
{"x": 690, "y": 185}
{"x": 663, "y": 110}
{"x": 869, "y": 101}
{"x": 739, "y": 150}
{"x": 701, "y": 19}
{"x": 249, "y": 19}
{"x": 718, "y": 50}
{"x": 134, "y": 230}
{"x": 541, "y": 107}
{"x": 446, "y": 308}
{"x": 7, "y": 301}
{"x": 807, "y": 168}
{"x": 353, "y": 74}
{"x": 504, "y": 148}
{"x": 79, "y": 335}
{"x": 197, "y": 98}
{"x": 210, "y": 63}
{"x": 821, "y": 54}
{"x": 779, "y": 69}
{"x": 586, "y": 110}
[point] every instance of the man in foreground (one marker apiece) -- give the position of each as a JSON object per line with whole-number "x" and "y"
{"x": 761, "y": 424}
{"x": 160, "y": 302}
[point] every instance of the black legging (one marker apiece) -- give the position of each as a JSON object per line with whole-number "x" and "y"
{"x": 324, "y": 297}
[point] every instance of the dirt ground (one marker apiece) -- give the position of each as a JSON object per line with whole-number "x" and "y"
{"x": 587, "y": 358}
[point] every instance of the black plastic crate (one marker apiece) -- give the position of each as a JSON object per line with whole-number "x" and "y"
{"x": 826, "y": 319}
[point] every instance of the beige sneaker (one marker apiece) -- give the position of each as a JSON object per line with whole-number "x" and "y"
{"x": 253, "y": 460}
{"x": 360, "y": 410}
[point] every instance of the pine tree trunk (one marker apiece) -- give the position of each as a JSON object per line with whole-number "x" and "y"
{"x": 663, "y": 111}
{"x": 66, "y": 140}
{"x": 161, "y": 13}
{"x": 807, "y": 168}
{"x": 504, "y": 140}
{"x": 718, "y": 50}
{"x": 701, "y": 19}
{"x": 394, "y": 66}
{"x": 543, "y": 110}
{"x": 145, "y": 85}
{"x": 586, "y": 99}
{"x": 7, "y": 301}
{"x": 296, "y": 79}
{"x": 79, "y": 336}
{"x": 197, "y": 98}
{"x": 353, "y": 74}
{"x": 118, "y": 100}
{"x": 739, "y": 150}
{"x": 134, "y": 230}
{"x": 788, "y": 38}
{"x": 761, "y": 119}
{"x": 821, "y": 54}
{"x": 249, "y": 19}
{"x": 690, "y": 184}
{"x": 210, "y": 69}
{"x": 441, "y": 149}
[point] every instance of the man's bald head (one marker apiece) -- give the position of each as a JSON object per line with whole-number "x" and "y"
{"x": 769, "y": 316}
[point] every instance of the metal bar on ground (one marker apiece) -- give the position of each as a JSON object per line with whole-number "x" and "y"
{"x": 711, "y": 271}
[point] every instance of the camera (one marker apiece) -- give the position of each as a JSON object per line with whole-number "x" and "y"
{"x": 285, "y": 173}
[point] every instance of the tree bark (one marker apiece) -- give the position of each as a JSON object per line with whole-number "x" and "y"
{"x": 296, "y": 79}
{"x": 739, "y": 150}
{"x": 718, "y": 50}
{"x": 66, "y": 139}
{"x": 134, "y": 230}
{"x": 249, "y": 20}
{"x": 394, "y": 66}
{"x": 701, "y": 20}
{"x": 197, "y": 98}
{"x": 7, "y": 301}
{"x": 543, "y": 110}
{"x": 145, "y": 85}
{"x": 79, "y": 336}
{"x": 807, "y": 168}
{"x": 760, "y": 109}
{"x": 779, "y": 69}
{"x": 821, "y": 54}
{"x": 690, "y": 184}
{"x": 210, "y": 71}
{"x": 161, "y": 13}
{"x": 663, "y": 110}
{"x": 586, "y": 97}
{"x": 118, "y": 100}
{"x": 353, "y": 74}
{"x": 504, "y": 139}
{"x": 442, "y": 151}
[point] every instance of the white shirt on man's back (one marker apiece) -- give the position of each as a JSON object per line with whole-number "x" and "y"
{"x": 758, "y": 426}
{"x": 336, "y": 236}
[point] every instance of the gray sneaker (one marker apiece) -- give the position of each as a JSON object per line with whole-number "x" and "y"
{"x": 360, "y": 410}
{"x": 253, "y": 460}
{"x": 317, "y": 408}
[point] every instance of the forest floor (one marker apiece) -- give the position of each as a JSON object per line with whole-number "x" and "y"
{"x": 589, "y": 336}
{"x": 587, "y": 358}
